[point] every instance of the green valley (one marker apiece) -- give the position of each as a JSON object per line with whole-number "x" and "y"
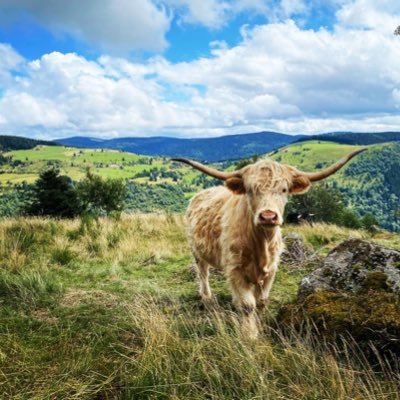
{"x": 370, "y": 184}
{"x": 154, "y": 182}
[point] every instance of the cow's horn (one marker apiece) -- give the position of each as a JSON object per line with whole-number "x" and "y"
{"x": 208, "y": 170}
{"x": 317, "y": 176}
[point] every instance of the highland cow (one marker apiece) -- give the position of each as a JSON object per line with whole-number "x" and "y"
{"x": 237, "y": 228}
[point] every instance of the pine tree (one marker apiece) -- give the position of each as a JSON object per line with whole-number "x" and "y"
{"x": 54, "y": 195}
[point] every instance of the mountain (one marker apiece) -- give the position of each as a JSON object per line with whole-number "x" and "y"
{"x": 9, "y": 143}
{"x": 356, "y": 138}
{"x": 370, "y": 183}
{"x": 221, "y": 148}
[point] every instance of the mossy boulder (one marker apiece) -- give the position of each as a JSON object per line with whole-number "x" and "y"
{"x": 371, "y": 319}
{"x": 352, "y": 266}
{"x": 354, "y": 294}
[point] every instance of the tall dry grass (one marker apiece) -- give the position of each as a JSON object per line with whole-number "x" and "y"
{"x": 108, "y": 310}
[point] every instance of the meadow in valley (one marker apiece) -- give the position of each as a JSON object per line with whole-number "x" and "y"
{"x": 108, "y": 309}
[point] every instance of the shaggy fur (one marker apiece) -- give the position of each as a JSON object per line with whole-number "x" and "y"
{"x": 225, "y": 233}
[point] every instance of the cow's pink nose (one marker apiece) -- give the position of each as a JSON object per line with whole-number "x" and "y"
{"x": 268, "y": 218}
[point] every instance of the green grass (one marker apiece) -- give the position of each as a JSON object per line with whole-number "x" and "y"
{"x": 74, "y": 162}
{"x": 307, "y": 155}
{"x": 109, "y": 310}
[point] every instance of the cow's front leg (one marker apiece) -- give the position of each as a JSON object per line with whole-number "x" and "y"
{"x": 263, "y": 288}
{"x": 204, "y": 286}
{"x": 245, "y": 301}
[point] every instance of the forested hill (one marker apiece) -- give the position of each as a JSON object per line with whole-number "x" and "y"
{"x": 357, "y": 138}
{"x": 206, "y": 149}
{"x": 370, "y": 183}
{"x": 9, "y": 143}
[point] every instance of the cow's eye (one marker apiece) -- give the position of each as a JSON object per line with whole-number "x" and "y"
{"x": 284, "y": 190}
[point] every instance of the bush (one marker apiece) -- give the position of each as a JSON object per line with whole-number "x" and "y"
{"x": 101, "y": 196}
{"x": 54, "y": 195}
{"x": 327, "y": 204}
{"x": 369, "y": 222}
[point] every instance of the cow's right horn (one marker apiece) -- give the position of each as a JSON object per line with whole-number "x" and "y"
{"x": 208, "y": 170}
{"x": 317, "y": 176}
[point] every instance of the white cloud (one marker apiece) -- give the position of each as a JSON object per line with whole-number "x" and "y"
{"x": 396, "y": 96}
{"x": 210, "y": 13}
{"x": 24, "y": 110}
{"x": 9, "y": 61}
{"x": 122, "y": 26}
{"x": 382, "y": 15}
{"x": 117, "y": 25}
{"x": 280, "y": 77}
{"x": 63, "y": 93}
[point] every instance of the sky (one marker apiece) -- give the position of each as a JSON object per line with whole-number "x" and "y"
{"x": 198, "y": 68}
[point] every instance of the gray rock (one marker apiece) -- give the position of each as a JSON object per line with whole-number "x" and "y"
{"x": 296, "y": 251}
{"x": 354, "y": 265}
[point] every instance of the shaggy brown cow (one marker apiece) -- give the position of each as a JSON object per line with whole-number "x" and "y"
{"x": 237, "y": 227}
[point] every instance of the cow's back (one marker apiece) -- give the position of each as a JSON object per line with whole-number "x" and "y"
{"x": 204, "y": 217}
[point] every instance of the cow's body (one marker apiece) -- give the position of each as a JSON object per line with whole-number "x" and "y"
{"x": 222, "y": 234}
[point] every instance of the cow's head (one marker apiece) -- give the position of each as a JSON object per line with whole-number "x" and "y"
{"x": 267, "y": 185}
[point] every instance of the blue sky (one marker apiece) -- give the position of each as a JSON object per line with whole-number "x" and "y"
{"x": 195, "y": 68}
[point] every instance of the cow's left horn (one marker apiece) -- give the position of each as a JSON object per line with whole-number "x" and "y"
{"x": 208, "y": 170}
{"x": 317, "y": 176}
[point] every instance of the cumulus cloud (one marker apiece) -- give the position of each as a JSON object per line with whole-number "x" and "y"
{"x": 382, "y": 16}
{"x": 210, "y": 13}
{"x": 216, "y": 13}
{"x": 121, "y": 26}
{"x": 62, "y": 93}
{"x": 279, "y": 77}
{"x": 10, "y": 60}
{"x": 118, "y": 25}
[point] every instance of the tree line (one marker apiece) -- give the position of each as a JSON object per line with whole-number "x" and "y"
{"x": 57, "y": 195}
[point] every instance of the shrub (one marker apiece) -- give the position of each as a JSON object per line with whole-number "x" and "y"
{"x": 54, "y": 195}
{"x": 327, "y": 204}
{"x": 101, "y": 196}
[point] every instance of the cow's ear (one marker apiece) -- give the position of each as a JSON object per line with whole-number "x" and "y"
{"x": 300, "y": 184}
{"x": 235, "y": 184}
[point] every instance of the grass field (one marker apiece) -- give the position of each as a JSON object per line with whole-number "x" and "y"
{"x": 310, "y": 155}
{"x": 109, "y": 310}
{"x": 73, "y": 162}
{"x": 115, "y": 164}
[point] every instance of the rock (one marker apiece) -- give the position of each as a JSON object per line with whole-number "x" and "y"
{"x": 354, "y": 294}
{"x": 296, "y": 252}
{"x": 352, "y": 266}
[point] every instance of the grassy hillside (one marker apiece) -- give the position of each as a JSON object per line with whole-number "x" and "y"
{"x": 371, "y": 182}
{"x": 110, "y": 311}
{"x": 26, "y": 164}
{"x": 154, "y": 183}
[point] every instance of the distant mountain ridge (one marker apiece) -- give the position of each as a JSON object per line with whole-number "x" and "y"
{"x": 220, "y": 148}
{"x": 356, "y": 138}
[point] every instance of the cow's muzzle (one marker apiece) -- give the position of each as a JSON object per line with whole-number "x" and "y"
{"x": 268, "y": 218}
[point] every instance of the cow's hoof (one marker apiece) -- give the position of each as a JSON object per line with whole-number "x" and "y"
{"x": 208, "y": 302}
{"x": 262, "y": 303}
